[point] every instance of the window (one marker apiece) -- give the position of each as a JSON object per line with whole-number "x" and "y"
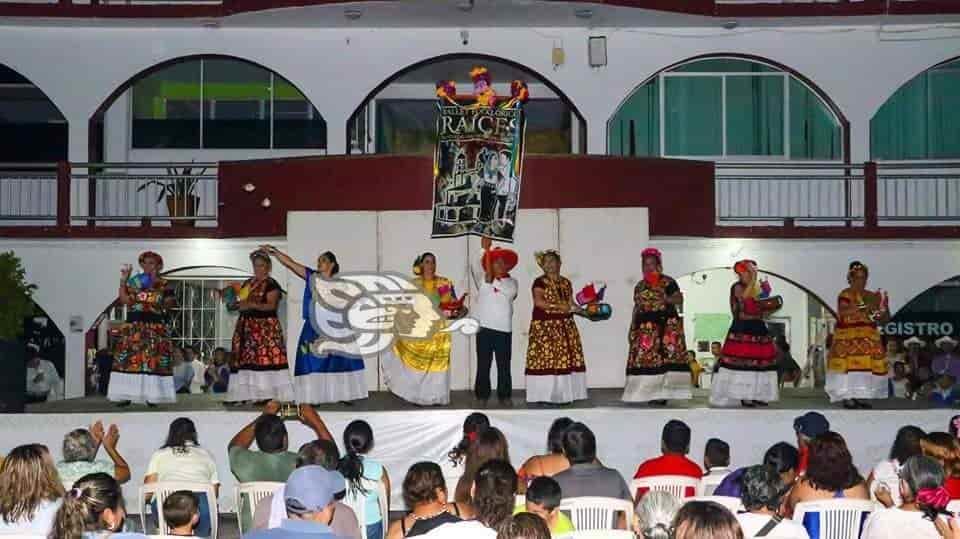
{"x": 223, "y": 103}
{"x": 725, "y": 107}
{"x": 410, "y": 126}
{"x": 922, "y": 119}
{"x": 32, "y": 128}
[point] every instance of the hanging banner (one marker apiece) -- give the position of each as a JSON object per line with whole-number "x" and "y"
{"x": 478, "y": 160}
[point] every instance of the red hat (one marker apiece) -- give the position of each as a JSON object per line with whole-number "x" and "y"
{"x": 509, "y": 257}
{"x": 744, "y": 265}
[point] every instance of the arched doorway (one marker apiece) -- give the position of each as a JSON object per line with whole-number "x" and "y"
{"x": 804, "y": 321}
{"x": 930, "y": 315}
{"x": 204, "y": 106}
{"x": 729, "y": 105}
{"x": 32, "y": 127}
{"x": 399, "y": 115}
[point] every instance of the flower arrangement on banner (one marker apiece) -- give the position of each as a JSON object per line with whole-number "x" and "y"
{"x": 483, "y": 93}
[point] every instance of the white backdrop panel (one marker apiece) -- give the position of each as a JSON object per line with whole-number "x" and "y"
{"x": 604, "y": 244}
{"x": 352, "y": 237}
{"x": 406, "y": 437}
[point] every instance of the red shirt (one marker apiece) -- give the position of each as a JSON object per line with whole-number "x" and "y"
{"x": 802, "y": 459}
{"x": 952, "y": 484}
{"x": 669, "y": 464}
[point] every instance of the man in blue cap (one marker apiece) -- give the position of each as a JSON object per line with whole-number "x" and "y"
{"x": 808, "y": 426}
{"x": 309, "y": 497}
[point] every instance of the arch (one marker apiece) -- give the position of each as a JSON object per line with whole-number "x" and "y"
{"x": 825, "y": 98}
{"x": 95, "y": 148}
{"x": 797, "y": 284}
{"x": 39, "y": 139}
{"x": 903, "y": 125}
{"x": 929, "y": 315}
{"x": 480, "y": 57}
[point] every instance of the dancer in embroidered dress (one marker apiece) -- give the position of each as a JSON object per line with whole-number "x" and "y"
{"x": 259, "y": 350}
{"x": 857, "y": 365}
{"x": 748, "y": 360}
{"x": 657, "y": 368}
{"x": 556, "y": 370}
{"x": 322, "y": 377}
{"x": 142, "y": 367}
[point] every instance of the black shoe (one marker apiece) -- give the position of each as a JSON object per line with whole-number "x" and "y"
{"x": 346, "y": 403}
{"x": 123, "y": 404}
{"x": 850, "y": 404}
{"x": 658, "y": 402}
{"x": 505, "y": 403}
{"x": 863, "y": 405}
{"x": 151, "y": 405}
{"x": 748, "y": 404}
{"x": 761, "y": 403}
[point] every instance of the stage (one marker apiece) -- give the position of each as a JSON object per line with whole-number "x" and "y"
{"x": 405, "y": 434}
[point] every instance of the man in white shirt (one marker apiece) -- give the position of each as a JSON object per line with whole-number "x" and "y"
{"x": 43, "y": 380}
{"x": 493, "y": 310}
{"x": 762, "y": 495}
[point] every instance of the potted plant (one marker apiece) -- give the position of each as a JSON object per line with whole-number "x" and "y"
{"x": 180, "y": 192}
{"x": 16, "y": 304}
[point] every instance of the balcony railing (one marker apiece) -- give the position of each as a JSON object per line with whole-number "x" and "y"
{"x": 871, "y": 194}
{"x": 151, "y": 194}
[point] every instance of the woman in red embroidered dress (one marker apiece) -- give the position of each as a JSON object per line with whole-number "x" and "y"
{"x": 259, "y": 349}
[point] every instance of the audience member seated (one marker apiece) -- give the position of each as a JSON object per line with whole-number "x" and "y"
{"x": 830, "y": 473}
{"x": 182, "y": 371}
{"x": 543, "y": 499}
{"x": 182, "y": 459}
{"x": 553, "y": 462}
{"x": 217, "y": 377}
{"x": 782, "y": 456}
{"x": 273, "y": 462}
{"x": 924, "y": 501}
{"x": 364, "y": 475}
{"x": 523, "y": 526}
{"x": 30, "y": 491}
{"x": 900, "y": 382}
{"x": 674, "y": 444}
{"x": 494, "y": 491}
{"x": 944, "y": 393}
{"x": 808, "y": 426}
{"x": 886, "y": 474}
{"x": 705, "y": 520}
{"x": 654, "y": 515}
{"x": 425, "y": 495}
{"x": 763, "y": 492}
{"x": 945, "y": 449}
{"x": 271, "y": 511}
{"x": 181, "y": 512}
{"x": 309, "y": 498}
{"x": 586, "y": 476}
{"x": 716, "y": 458}
{"x": 92, "y": 508}
{"x": 80, "y": 447}
{"x": 472, "y": 425}
{"x": 490, "y": 444}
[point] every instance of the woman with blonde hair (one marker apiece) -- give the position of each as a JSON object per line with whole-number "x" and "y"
{"x": 30, "y": 490}
{"x": 945, "y": 449}
{"x": 93, "y": 507}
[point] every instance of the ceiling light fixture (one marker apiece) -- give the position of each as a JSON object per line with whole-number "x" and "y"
{"x": 352, "y": 13}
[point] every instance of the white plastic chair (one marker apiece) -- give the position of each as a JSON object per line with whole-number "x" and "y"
{"x": 709, "y": 483}
{"x": 595, "y": 512}
{"x": 160, "y": 490}
{"x": 600, "y": 534}
{"x": 254, "y": 492}
{"x": 358, "y": 503}
{"x": 839, "y": 518}
{"x": 734, "y": 504}
{"x": 678, "y": 485}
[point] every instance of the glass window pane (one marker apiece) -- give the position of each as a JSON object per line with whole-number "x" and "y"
{"x": 406, "y": 125}
{"x": 754, "y": 115}
{"x": 548, "y": 126}
{"x": 635, "y": 129}
{"x": 724, "y": 65}
{"x": 166, "y": 108}
{"x": 692, "y": 114}
{"x": 296, "y": 122}
{"x": 814, "y": 130}
{"x": 236, "y": 105}
{"x": 943, "y": 118}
